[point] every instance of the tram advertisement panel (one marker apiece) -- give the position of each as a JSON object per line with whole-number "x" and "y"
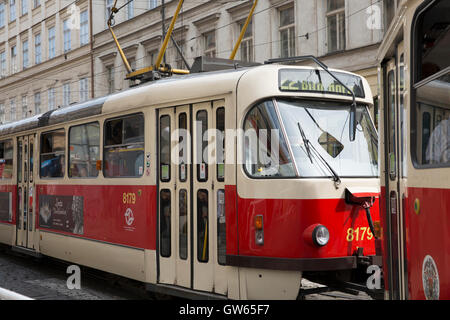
{"x": 63, "y": 213}
{"x": 5, "y": 206}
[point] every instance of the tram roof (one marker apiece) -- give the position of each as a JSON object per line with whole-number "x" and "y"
{"x": 169, "y": 90}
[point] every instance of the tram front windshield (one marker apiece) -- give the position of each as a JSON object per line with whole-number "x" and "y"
{"x": 318, "y": 134}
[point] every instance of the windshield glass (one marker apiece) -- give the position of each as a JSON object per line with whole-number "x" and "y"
{"x": 323, "y": 127}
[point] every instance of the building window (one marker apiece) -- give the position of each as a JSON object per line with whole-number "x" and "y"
{"x": 130, "y": 10}
{"x": 37, "y": 103}
{"x": 2, "y": 14}
{"x": 152, "y": 4}
{"x": 37, "y": 49}
{"x": 84, "y": 28}
{"x": 336, "y": 25}
{"x": 179, "y": 62}
{"x": 51, "y": 43}
{"x": 12, "y": 109}
{"x": 2, "y": 113}
{"x": 36, "y": 3}
{"x": 110, "y": 78}
{"x": 109, "y": 5}
{"x": 51, "y": 99}
{"x": 210, "y": 43}
{"x": 24, "y": 7}
{"x": 25, "y": 54}
{"x": 287, "y": 32}
{"x": 66, "y": 94}
{"x": 24, "y": 107}
{"x": 83, "y": 89}
{"x": 67, "y": 35}
{"x": 247, "y": 42}
{"x": 389, "y": 12}
{"x": 13, "y": 59}
{"x": 2, "y": 64}
{"x": 12, "y": 10}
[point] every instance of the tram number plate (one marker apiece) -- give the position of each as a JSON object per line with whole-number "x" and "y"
{"x": 359, "y": 234}
{"x": 129, "y": 198}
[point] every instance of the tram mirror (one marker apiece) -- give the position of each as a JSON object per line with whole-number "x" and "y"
{"x": 330, "y": 144}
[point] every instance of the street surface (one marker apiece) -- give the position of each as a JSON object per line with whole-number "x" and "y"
{"x": 46, "y": 279}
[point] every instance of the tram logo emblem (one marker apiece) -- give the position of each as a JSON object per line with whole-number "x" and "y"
{"x": 129, "y": 217}
{"x": 430, "y": 279}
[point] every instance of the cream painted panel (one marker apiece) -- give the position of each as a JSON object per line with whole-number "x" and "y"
{"x": 124, "y": 261}
{"x": 7, "y": 233}
{"x": 261, "y": 284}
{"x": 301, "y": 188}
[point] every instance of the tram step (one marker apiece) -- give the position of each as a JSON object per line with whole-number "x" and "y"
{"x": 29, "y": 252}
{"x": 181, "y": 292}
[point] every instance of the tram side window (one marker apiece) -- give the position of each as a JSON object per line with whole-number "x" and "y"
{"x": 220, "y": 143}
{"x": 165, "y": 223}
{"x": 431, "y": 90}
{"x": 202, "y": 146}
{"x": 124, "y": 147}
{"x": 6, "y": 159}
{"x": 84, "y": 150}
{"x": 52, "y": 157}
{"x": 221, "y": 228}
{"x": 265, "y": 149}
{"x": 202, "y": 225}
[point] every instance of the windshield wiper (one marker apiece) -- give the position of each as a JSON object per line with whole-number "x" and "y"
{"x": 309, "y": 146}
{"x": 305, "y": 141}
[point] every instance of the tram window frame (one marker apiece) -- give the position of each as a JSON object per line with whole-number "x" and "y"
{"x": 59, "y": 154}
{"x": 183, "y": 233}
{"x": 392, "y": 117}
{"x": 203, "y": 228}
{"x": 202, "y": 146}
{"x": 123, "y": 144}
{"x": 165, "y": 167}
{"x": 69, "y": 173}
{"x": 165, "y": 216}
{"x": 183, "y": 145}
{"x": 4, "y": 160}
{"x": 221, "y": 228}
{"x": 281, "y": 139}
{"x": 220, "y": 144}
{"x": 417, "y": 82}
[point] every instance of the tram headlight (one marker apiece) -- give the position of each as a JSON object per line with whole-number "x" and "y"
{"x": 320, "y": 235}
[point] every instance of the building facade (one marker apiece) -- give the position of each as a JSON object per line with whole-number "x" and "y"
{"x": 55, "y": 53}
{"x": 45, "y": 56}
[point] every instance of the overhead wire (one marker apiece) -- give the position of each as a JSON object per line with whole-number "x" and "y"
{"x": 119, "y": 68}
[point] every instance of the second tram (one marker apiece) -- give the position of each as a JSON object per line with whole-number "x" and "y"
{"x": 415, "y": 154}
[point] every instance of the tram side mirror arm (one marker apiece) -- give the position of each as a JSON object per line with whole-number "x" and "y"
{"x": 352, "y": 122}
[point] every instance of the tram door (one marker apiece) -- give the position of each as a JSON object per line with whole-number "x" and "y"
{"x": 26, "y": 213}
{"x": 395, "y": 115}
{"x": 191, "y": 198}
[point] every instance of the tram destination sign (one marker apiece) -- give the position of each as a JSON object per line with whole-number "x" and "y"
{"x": 314, "y": 80}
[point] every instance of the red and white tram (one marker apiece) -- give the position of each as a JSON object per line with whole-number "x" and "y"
{"x": 141, "y": 183}
{"x": 415, "y": 159}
